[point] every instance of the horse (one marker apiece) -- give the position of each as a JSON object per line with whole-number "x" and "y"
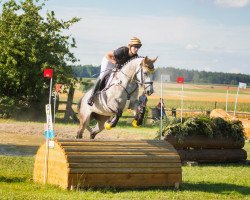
{"x": 121, "y": 90}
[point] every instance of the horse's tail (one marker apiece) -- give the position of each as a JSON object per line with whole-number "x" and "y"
{"x": 79, "y": 104}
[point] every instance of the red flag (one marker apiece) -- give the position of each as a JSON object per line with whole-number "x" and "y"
{"x": 227, "y": 87}
{"x": 180, "y": 79}
{"x": 58, "y": 87}
{"x": 48, "y": 73}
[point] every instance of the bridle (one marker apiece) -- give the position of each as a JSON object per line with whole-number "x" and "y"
{"x": 142, "y": 82}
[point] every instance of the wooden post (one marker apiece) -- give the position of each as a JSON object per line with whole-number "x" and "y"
{"x": 69, "y": 111}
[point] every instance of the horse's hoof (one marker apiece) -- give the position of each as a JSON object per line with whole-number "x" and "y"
{"x": 78, "y": 137}
{"x": 92, "y": 136}
{"x": 107, "y": 126}
{"x": 134, "y": 123}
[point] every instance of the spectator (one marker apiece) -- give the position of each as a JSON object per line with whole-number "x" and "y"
{"x": 161, "y": 107}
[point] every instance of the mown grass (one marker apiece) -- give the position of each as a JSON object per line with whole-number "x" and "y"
{"x": 205, "y": 181}
{"x": 210, "y": 90}
{"x": 217, "y": 94}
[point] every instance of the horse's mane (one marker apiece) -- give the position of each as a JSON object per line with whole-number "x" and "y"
{"x": 151, "y": 69}
{"x": 131, "y": 59}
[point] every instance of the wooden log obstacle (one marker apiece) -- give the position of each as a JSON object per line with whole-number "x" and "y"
{"x": 201, "y": 148}
{"x": 102, "y": 164}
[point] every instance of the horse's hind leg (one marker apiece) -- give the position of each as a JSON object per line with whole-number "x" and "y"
{"x": 99, "y": 126}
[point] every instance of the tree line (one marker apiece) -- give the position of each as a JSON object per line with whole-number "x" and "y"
{"x": 190, "y": 76}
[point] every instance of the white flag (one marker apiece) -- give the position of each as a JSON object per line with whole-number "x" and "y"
{"x": 165, "y": 78}
{"x": 242, "y": 85}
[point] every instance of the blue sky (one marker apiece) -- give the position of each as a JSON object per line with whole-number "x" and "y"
{"x": 211, "y": 35}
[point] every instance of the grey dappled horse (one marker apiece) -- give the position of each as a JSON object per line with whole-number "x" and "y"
{"x": 122, "y": 86}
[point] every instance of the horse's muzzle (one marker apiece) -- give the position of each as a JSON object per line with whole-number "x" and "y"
{"x": 149, "y": 92}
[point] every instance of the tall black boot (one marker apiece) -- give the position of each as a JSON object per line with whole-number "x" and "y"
{"x": 95, "y": 89}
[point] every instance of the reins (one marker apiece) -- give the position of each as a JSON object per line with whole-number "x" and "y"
{"x": 141, "y": 82}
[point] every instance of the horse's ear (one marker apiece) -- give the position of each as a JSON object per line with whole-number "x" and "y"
{"x": 153, "y": 60}
{"x": 145, "y": 60}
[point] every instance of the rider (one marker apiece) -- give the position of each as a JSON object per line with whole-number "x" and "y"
{"x": 114, "y": 59}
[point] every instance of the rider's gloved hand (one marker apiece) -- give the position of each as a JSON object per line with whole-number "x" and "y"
{"x": 118, "y": 66}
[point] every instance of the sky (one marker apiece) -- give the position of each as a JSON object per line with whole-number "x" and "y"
{"x": 210, "y": 35}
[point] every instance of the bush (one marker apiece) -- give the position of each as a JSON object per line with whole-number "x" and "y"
{"x": 6, "y": 106}
{"x": 210, "y": 127}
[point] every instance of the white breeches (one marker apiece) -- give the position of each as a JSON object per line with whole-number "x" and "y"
{"x": 106, "y": 67}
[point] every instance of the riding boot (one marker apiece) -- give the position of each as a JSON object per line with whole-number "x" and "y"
{"x": 95, "y": 89}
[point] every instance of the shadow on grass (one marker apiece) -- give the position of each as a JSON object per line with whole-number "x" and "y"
{"x": 18, "y": 150}
{"x": 207, "y": 187}
{"x": 243, "y": 163}
{"x": 218, "y": 188}
{"x": 12, "y": 180}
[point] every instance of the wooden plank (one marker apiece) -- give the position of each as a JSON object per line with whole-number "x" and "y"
{"x": 115, "y": 147}
{"x": 123, "y": 158}
{"x": 124, "y": 180}
{"x": 124, "y": 165}
{"x": 104, "y": 160}
{"x": 118, "y": 151}
{"x": 213, "y": 155}
{"x": 118, "y": 142}
{"x": 119, "y": 146}
{"x": 121, "y": 153}
{"x": 60, "y": 140}
{"x": 124, "y": 170}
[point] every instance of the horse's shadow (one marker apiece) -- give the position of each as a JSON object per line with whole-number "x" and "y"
{"x": 206, "y": 187}
{"x": 217, "y": 188}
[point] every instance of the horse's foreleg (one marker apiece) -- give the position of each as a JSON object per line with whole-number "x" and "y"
{"x": 115, "y": 119}
{"x": 83, "y": 122}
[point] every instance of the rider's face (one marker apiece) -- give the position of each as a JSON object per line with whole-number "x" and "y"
{"x": 134, "y": 49}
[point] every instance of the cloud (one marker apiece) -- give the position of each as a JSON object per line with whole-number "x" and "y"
{"x": 194, "y": 43}
{"x": 232, "y": 3}
{"x": 192, "y": 46}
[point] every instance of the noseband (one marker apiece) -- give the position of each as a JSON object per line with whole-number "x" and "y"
{"x": 142, "y": 82}
{"x": 138, "y": 82}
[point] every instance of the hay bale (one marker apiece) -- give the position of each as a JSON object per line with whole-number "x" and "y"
{"x": 220, "y": 113}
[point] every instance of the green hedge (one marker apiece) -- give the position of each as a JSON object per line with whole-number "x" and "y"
{"x": 203, "y": 125}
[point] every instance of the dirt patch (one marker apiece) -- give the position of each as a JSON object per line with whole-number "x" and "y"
{"x": 24, "y": 138}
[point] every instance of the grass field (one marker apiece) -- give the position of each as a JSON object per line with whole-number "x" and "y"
{"x": 205, "y": 181}
{"x": 196, "y": 97}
